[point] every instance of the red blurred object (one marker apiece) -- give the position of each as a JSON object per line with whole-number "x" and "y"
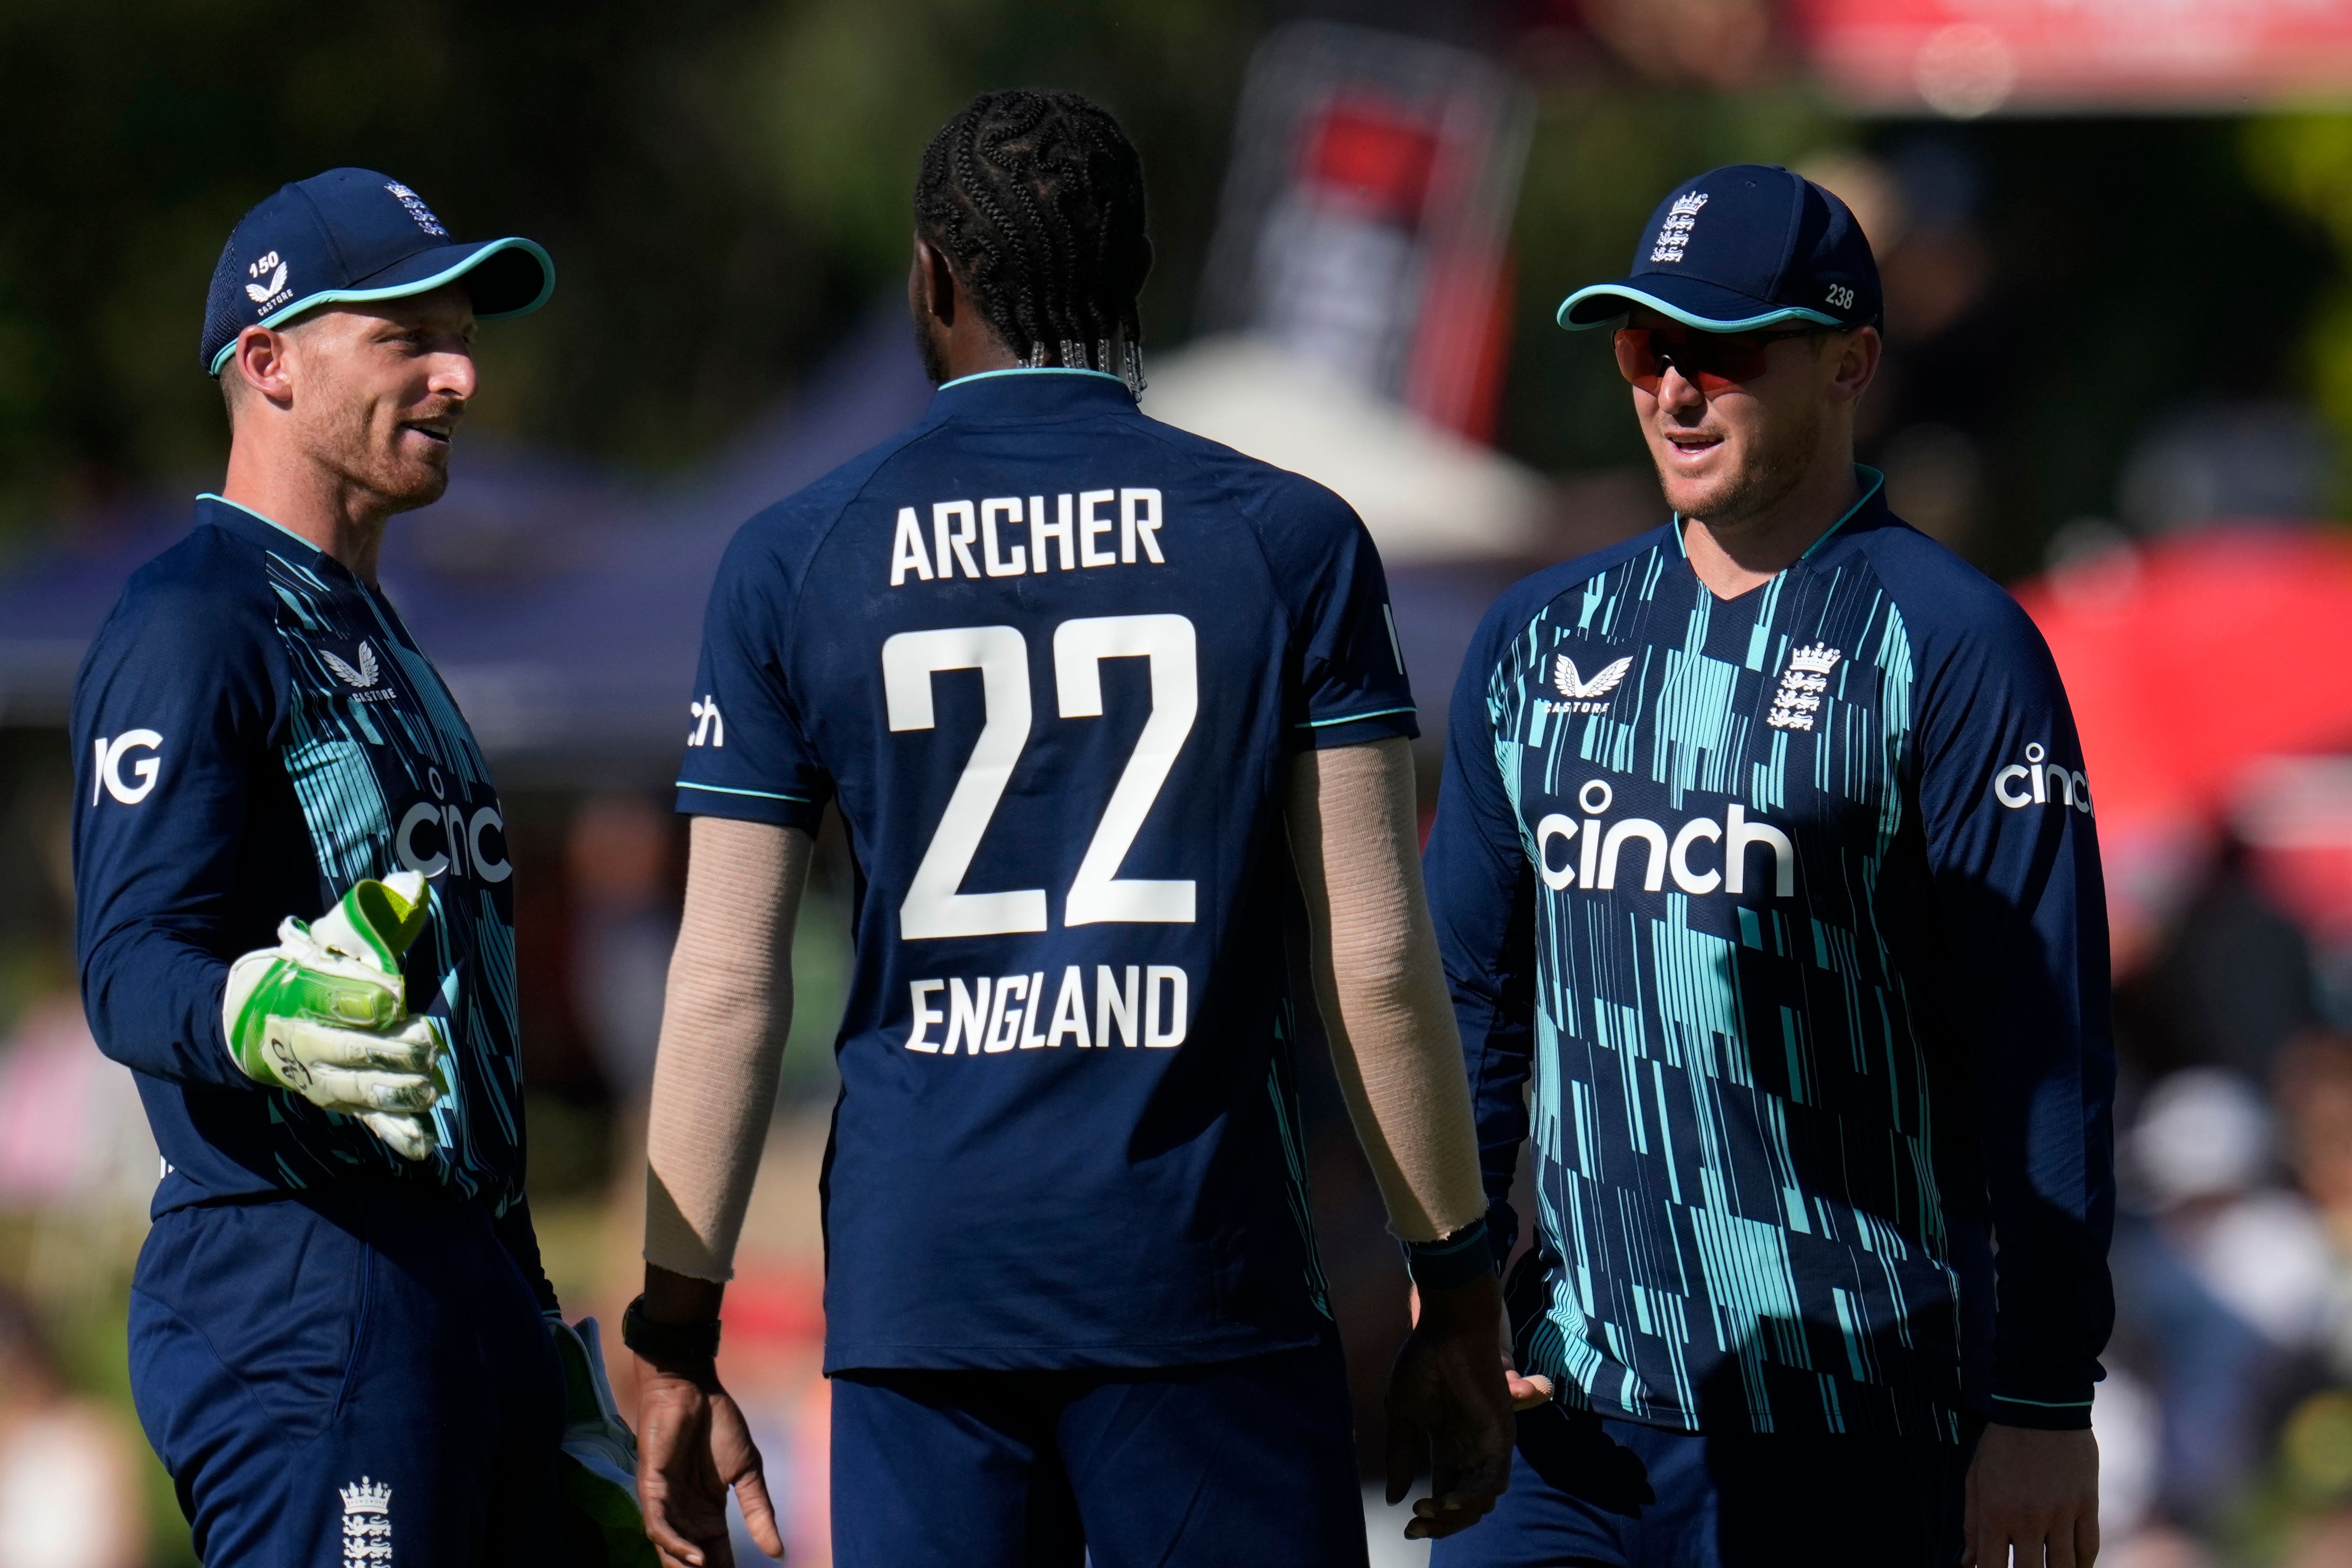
{"x": 1974, "y": 57}
{"x": 1367, "y": 152}
{"x": 2193, "y": 665}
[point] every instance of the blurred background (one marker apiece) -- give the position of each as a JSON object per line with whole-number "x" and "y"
{"x": 2117, "y": 243}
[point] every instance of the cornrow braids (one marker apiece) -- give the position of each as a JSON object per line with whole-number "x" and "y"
{"x": 1037, "y": 200}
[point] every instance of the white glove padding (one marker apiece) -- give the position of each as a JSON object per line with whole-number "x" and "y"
{"x": 323, "y": 1014}
{"x": 599, "y": 1453}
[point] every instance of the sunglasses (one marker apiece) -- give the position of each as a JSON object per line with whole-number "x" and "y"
{"x": 1712, "y": 361}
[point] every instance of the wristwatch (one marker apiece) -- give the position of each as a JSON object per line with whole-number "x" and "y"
{"x": 669, "y": 1345}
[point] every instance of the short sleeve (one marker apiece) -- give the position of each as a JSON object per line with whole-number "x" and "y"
{"x": 1352, "y": 684}
{"x": 173, "y": 719}
{"x": 747, "y": 756}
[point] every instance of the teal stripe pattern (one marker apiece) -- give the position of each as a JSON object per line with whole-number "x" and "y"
{"x": 1738, "y": 1202}
{"x": 389, "y": 775}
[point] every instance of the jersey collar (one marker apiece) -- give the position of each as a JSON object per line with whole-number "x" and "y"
{"x": 1866, "y": 512}
{"x": 241, "y": 520}
{"x": 1023, "y": 394}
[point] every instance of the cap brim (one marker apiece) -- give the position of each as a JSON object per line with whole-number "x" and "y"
{"x": 1709, "y": 307}
{"x": 511, "y": 276}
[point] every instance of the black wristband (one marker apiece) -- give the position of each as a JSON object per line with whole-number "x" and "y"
{"x": 669, "y": 1345}
{"x": 1452, "y": 1262}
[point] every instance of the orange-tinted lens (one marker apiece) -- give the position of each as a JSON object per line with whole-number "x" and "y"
{"x": 1713, "y": 362}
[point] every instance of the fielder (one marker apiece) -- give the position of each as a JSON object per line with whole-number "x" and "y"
{"x": 1097, "y": 702}
{"x": 1766, "y": 849}
{"x": 295, "y": 928}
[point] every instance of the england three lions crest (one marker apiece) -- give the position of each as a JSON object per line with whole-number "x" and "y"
{"x": 367, "y": 1525}
{"x": 1586, "y": 696}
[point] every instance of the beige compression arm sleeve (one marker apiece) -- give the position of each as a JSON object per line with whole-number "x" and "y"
{"x": 1381, "y": 985}
{"x": 728, "y": 1009}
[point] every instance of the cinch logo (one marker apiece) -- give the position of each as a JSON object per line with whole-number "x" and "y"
{"x": 1600, "y": 845}
{"x": 107, "y": 775}
{"x": 709, "y": 729}
{"x": 2040, "y": 783}
{"x": 464, "y": 849}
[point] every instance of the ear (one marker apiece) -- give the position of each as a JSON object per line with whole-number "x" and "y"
{"x": 936, "y": 295}
{"x": 262, "y": 362}
{"x": 1857, "y": 364}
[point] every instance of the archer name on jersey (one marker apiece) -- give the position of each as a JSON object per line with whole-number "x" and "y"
{"x": 1053, "y": 659}
{"x": 254, "y": 731}
{"x": 1789, "y": 904}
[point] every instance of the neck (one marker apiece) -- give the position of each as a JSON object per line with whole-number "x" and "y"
{"x": 1734, "y": 553}
{"x": 326, "y": 508}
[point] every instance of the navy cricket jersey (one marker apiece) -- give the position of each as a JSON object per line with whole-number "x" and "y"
{"x": 1791, "y": 904}
{"x": 254, "y": 731}
{"x": 1053, "y": 659}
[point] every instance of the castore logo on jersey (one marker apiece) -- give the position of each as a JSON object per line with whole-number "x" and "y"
{"x": 1580, "y": 692}
{"x": 362, "y": 677}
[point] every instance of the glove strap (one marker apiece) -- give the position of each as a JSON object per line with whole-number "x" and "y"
{"x": 682, "y": 1347}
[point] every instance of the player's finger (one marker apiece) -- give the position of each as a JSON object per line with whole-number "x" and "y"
{"x": 2059, "y": 1551}
{"x": 410, "y": 1138}
{"x": 1407, "y": 1444}
{"x": 759, "y": 1512}
{"x": 1528, "y": 1393}
{"x": 2086, "y": 1537}
{"x": 354, "y": 1048}
{"x": 362, "y": 1089}
{"x": 667, "y": 1538}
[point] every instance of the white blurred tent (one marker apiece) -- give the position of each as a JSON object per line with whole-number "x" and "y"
{"x": 1427, "y": 494}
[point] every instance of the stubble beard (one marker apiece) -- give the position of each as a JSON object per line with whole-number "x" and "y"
{"x": 1774, "y": 470}
{"x": 352, "y": 449}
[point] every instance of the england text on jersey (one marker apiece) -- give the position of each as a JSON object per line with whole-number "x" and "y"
{"x": 1054, "y": 661}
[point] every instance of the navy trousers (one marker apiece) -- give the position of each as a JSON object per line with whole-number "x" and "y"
{"x": 351, "y": 1379}
{"x": 1250, "y": 1461}
{"x": 1589, "y": 1492}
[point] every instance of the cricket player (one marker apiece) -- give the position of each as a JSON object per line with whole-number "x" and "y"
{"x": 1097, "y": 702}
{"x": 295, "y": 928}
{"x": 1766, "y": 849}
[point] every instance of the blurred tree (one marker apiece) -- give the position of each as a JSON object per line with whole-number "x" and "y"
{"x": 723, "y": 183}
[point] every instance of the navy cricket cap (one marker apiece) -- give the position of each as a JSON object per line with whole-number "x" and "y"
{"x": 352, "y": 235}
{"x": 1740, "y": 248}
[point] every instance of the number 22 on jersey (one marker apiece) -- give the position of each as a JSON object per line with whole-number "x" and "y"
{"x": 934, "y": 906}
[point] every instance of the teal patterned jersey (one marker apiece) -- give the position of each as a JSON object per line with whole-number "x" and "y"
{"x": 1776, "y": 922}
{"x": 255, "y": 731}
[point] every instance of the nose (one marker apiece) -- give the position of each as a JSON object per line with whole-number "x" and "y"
{"x": 453, "y": 374}
{"x": 1679, "y": 394}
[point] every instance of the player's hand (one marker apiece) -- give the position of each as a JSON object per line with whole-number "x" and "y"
{"x": 1527, "y": 1393}
{"x": 693, "y": 1445}
{"x": 1449, "y": 1403}
{"x": 383, "y": 1077}
{"x": 2036, "y": 1491}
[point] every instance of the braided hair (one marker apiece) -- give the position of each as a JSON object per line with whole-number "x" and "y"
{"x": 1036, "y": 201}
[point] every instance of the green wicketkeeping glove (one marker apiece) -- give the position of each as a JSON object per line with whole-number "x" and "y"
{"x": 324, "y": 1014}
{"x": 599, "y": 1453}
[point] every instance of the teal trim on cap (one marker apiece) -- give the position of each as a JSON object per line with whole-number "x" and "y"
{"x": 403, "y": 290}
{"x": 1032, "y": 370}
{"x": 1635, "y": 297}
